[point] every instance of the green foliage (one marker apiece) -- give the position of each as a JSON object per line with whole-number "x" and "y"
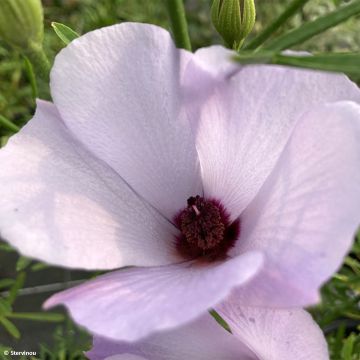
{"x": 64, "y": 32}
{"x": 338, "y": 62}
{"x": 310, "y": 29}
{"x": 288, "y": 12}
{"x": 278, "y": 22}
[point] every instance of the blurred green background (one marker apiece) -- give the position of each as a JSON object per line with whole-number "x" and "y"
{"x": 28, "y": 283}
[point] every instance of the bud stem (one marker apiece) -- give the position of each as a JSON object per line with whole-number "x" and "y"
{"x": 179, "y": 24}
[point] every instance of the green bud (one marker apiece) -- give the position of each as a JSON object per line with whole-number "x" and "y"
{"x": 233, "y": 19}
{"x": 21, "y": 23}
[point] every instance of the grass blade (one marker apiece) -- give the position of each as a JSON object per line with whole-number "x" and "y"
{"x": 10, "y": 328}
{"x": 6, "y": 123}
{"x": 19, "y": 282}
{"x": 310, "y": 29}
{"x": 347, "y": 63}
{"x": 336, "y": 62}
{"x": 291, "y": 10}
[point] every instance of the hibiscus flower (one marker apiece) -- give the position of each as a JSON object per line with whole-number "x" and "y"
{"x": 205, "y": 177}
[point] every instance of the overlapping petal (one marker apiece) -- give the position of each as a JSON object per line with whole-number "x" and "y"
{"x": 118, "y": 89}
{"x": 305, "y": 216}
{"x": 257, "y": 334}
{"x": 62, "y": 205}
{"x": 246, "y": 121}
{"x": 202, "y": 339}
{"x": 130, "y": 304}
{"x": 275, "y": 334}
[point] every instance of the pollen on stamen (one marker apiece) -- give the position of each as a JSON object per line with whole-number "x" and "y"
{"x": 206, "y": 230}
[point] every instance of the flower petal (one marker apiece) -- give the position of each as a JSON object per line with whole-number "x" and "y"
{"x": 130, "y": 304}
{"x": 275, "y": 334}
{"x": 244, "y": 125}
{"x": 305, "y": 216}
{"x": 205, "y": 71}
{"x": 122, "y": 83}
{"x": 62, "y": 205}
{"x": 202, "y": 339}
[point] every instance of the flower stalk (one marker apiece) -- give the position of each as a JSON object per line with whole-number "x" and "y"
{"x": 178, "y": 22}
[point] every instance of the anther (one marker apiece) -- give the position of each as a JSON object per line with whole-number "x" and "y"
{"x": 205, "y": 229}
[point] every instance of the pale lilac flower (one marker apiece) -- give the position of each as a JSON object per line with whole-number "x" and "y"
{"x": 102, "y": 178}
{"x": 257, "y": 334}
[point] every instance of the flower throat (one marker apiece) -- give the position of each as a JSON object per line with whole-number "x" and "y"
{"x": 206, "y": 231}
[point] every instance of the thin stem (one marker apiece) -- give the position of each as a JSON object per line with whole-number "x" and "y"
{"x": 39, "y": 60}
{"x": 178, "y": 22}
{"x": 50, "y": 317}
{"x": 291, "y": 10}
{"x": 44, "y": 288}
{"x": 8, "y": 124}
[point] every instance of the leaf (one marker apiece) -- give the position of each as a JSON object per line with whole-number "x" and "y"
{"x": 310, "y": 29}
{"x": 42, "y": 316}
{"x": 347, "y": 350}
{"x": 39, "y": 266}
{"x": 31, "y": 76}
{"x": 219, "y": 320}
{"x": 337, "y": 62}
{"x": 290, "y": 10}
{"x": 18, "y": 284}
{"x": 65, "y": 33}
{"x": 347, "y": 62}
{"x": 5, "y": 283}
{"x": 22, "y": 263}
{"x": 6, "y": 123}
{"x": 5, "y": 308}
{"x": 10, "y": 328}
{"x": 6, "y": 247}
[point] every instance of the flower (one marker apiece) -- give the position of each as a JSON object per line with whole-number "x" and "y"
{"x": 257, "y": 333}
{"x": 108, "y": 176}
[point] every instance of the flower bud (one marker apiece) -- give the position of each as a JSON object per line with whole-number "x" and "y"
{"x": 21, "y": 23}
{"x": 233, "y": 19}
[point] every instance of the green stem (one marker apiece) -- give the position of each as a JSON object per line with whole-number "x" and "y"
{"x": 31, "y": 77}
{"x": 293, "y": 7}
{"x": 178, "y": 23}
{"x": 8, "y": 124}
{"x": 39, "y": 60}
{"x": 50, "y": 317}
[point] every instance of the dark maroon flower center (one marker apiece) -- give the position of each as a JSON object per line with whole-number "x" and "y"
{"x": 206, "y": 230}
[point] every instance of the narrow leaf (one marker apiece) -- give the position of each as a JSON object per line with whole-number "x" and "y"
{"x": 39, "y": 266}
{"x": 5, "y": 308}
{"x": 290, "y": 10}
{"x": 347, "y": 350}
{"x": 22, "y": 263}
{"x": 49, "y": 317}
{"x": 310, "y": 29}
{"x": 31, "y": 76}
{"x": 19, "y": 282}
{"x": 10, "y": 328}
{"x": 4, "y": 246}
{"x": 219, "y": 320}
{"x": 347, "y": 63}
{"x": 5, "y": 283}
{"x": 64, "y": 32}
{"x": 6, "y": 123}
{"x": 337, "y": 62}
